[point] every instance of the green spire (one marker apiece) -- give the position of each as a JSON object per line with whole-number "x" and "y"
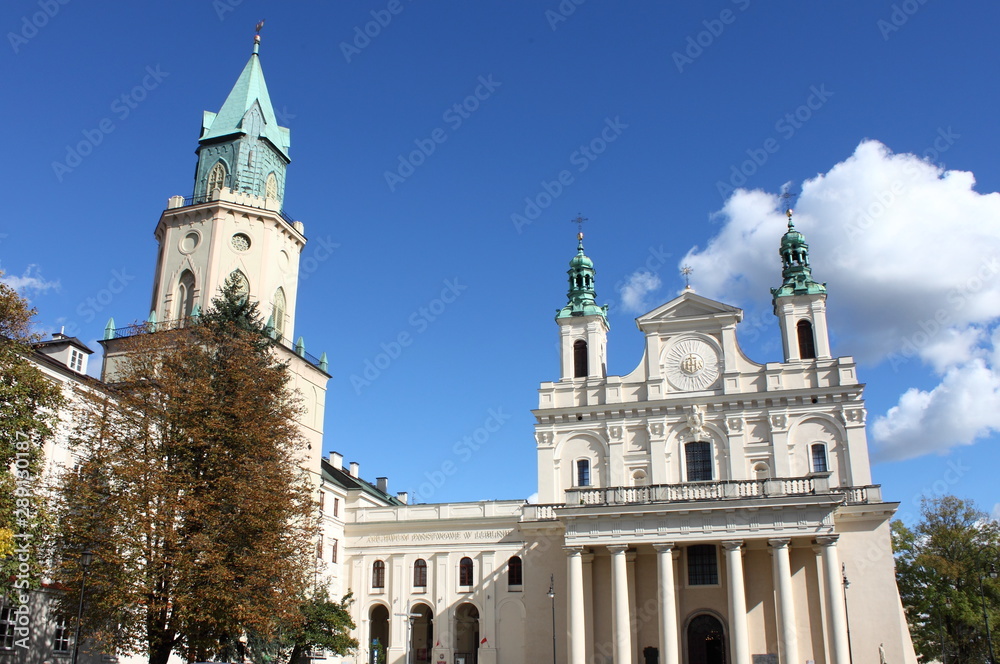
{"x": 581, "y": 293}
{"x": 250, "y": 88}
{"x": 796, "y": 272}
{"x": 241, "y": 147}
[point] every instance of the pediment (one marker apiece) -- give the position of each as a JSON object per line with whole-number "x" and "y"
{"x": 689, "y": 305}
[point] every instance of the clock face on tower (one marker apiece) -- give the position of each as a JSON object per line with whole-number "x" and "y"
{"x": 691, "y": 364}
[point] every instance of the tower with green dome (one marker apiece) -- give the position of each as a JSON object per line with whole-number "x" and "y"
{"x": 583, "y": 325}
{"x": 800, "y": 301}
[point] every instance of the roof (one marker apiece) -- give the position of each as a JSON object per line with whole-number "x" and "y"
{"x": 249, "y": 89}
{"x": 344, "y": 479}
{"x": 61, "y": 339}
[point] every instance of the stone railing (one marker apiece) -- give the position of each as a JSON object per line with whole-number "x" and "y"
{"x": 722, "y": 490}
{"x": 539, "y": 512}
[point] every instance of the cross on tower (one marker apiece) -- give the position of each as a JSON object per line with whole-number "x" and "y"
{"x": 579, "y": 223}
{"x": 686, "y": 271}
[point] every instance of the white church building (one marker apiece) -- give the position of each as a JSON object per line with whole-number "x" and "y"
{"x": 703, "y": 509}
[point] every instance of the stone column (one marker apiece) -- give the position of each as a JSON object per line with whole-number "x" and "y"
{"x": 575, "y": 606}
{"x": 666, "y": 594}
{"x": 620, "y": 624}
{"x": 738, "y": 628}
{"x": 789, "y": 650}
{"x": 840, "y": 651}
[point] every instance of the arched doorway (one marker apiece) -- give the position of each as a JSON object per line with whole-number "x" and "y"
{"x": 466, "y": 634}
{"x": 706, "y": 639}
{"x": 378, "y": 634}
{"x": 422, "y": 634}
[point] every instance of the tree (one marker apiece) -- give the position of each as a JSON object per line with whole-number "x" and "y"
{"x": 939, "y": 565}
{"x": 190, "y": 491}
{"x": 322, "y": 624}
{"x": 29, "y": 405}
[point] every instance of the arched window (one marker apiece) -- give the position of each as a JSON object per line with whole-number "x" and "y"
{"x": 420, "y": 573}
{"x": 271, "y": 186}
{"x": 515, "y": 572}
{"x": 465, "y": 572}
{"x": 807, "y": 345}
{"x": 819, "y": 461}
{"x": 378, "y": 574}
{"x": 583, "y": 472}
{"x": 580, "y": 368}
{"x": 216, "y": 178}
{"x": 242, "y": 284}
{"x": 185, "y": 296}
{"x": 698, "y": 460}
{"x": 279, "y": 313}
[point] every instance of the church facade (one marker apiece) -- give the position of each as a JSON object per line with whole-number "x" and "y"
{"x": 704, "y": 508}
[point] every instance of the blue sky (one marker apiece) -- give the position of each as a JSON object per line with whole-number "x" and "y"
{"x": 653, "y": 116}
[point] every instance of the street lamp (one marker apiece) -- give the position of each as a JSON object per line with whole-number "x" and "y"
{"x": 552, "y": 596}
{"x": 410, "y": 617}
{"x": 847, "y": 613}
{"x": 987, "y": 555}
{"x": 85, "y": 559}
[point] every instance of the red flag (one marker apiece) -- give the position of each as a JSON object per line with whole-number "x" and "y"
{"x": 438, "y": 644}
{"x": 483, "y": 641}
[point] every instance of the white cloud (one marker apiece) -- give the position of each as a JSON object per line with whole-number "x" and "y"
{"x": 30, "y": 283}
{"x": 637, "y": 287}
{"x": 533, "y": 499}
{"x": 911, "y": 254}
{"x": 996, "y": 512}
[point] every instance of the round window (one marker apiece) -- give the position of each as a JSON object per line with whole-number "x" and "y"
{"x": 241, "y": 242}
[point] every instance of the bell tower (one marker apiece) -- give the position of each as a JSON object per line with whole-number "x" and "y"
{"x": 800, "y": 302}
{"x": 583, "y": 326}
{"x": 234, "y": 225}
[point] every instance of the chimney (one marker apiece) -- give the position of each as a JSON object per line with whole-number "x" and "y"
{"x": 337, "y": 460}
{"x": 355, "y": 469}
{"x": 403, "y": 497}
{"x": 383, "y": 484}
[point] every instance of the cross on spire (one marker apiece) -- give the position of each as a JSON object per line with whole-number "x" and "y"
{"x": 579, "y": 224}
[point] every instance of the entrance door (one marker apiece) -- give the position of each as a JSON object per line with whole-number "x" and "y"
{"x": 466, "y": 634}
{"x": 378, "y": 638}
{"x": 706, "y": 640}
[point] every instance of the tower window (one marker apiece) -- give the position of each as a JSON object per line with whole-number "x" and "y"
{"x": 580, "y": 366}
{"x": 333, "y": 553}
{"x": 698, "y": 459}
{"x": 378, "y": 574}
{"x": 420, "y": 573}
{"x": 242, "y": 284}
{"x": 271, "y": 186}
{"x": 583, "y": 472}
{"x": 515, "y": 572}
{"x": 807, "y": 345}
{"x": 185, "y": 296}
{"x": 465, "y": 570}
{"x": 279, "y": 313}
{"x": 703, "y": 565}
{"x": 216, "y": 178}
{"x": 819, "y": 462}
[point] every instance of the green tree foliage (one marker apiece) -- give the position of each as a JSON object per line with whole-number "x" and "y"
{"x": 939, "y": 565}
{"x": 322, "y": 624}
{"x": 29, "y": 405}
{"x": 191, "y": 491}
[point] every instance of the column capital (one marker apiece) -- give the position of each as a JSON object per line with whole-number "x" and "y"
{"x": 573, "y": 550}
{"x": 827, "y": 540}
{"x": 780, "y": 542}
{"x": 617, "y": 548}
{"x": 664, "y": 547}
{"x": 732, "y": 545}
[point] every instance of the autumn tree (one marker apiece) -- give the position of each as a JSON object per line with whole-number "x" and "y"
{"x": 29, "y": 405}
{"x": 190, "y": 491}
{"x": 940, "y": 564}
